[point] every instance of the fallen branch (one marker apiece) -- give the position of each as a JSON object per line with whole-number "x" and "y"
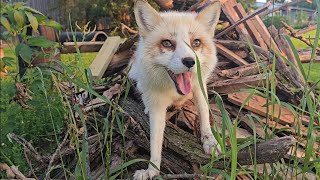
{"x": 28, "y": 147}
{"x": 293, "y": 33}
{"x": 184, "y": 176}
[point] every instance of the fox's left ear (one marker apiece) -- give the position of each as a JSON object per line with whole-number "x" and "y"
{"x": 146, "y": 17}
{"x": 209, "y": 16}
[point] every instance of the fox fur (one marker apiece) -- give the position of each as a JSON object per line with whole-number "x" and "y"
{"x": 164, "y": 67}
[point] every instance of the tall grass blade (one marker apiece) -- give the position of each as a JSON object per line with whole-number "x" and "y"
{"x": 84, "y": 160}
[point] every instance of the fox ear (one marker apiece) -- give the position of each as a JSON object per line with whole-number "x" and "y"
{"x": 146, "y": 17}
{"x": 209, "y": 16}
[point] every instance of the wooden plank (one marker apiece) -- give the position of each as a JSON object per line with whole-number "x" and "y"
{"x": 257, "y": 104}
{"x": 265, "y": 35}
{"x": 253, "y": 32}
{"x": 232, "y": 85}
{"x": 227, "y": 8}
{"x": 104, "y": 56}
{"x": 230, "y": 55}
{"x": 84, "y": 47}
{"x": 305, "y": 58}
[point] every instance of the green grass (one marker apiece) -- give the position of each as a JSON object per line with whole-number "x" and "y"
{"x": 35, "y": 124}
{"x": 314, "y": 75}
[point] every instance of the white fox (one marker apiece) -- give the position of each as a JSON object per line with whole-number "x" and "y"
{"x": 164, "y": 67}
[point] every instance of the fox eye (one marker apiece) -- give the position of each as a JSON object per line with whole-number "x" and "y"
{"x": 196, "y": 43}
{"x": 167, "y": 43}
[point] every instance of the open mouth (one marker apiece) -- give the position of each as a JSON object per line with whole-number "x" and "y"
{"x": 181, "y": 81}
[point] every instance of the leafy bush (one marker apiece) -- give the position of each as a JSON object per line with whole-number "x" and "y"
{"x": 275, "y": 20}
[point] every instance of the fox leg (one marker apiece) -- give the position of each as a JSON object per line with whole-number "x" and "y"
{"x": 207, "y": 138}
{"x": 157, "y": 124}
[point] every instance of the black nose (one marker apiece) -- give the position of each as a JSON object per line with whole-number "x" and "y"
{"x": 188, "y": 62}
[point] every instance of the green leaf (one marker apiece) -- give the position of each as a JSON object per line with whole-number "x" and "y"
{"x": 32, "y": 10}
{"x": 41, "y": 18}
{"x": 19, "y": 18}
{"x": 33, "y": 21}
{"x": 17, "y": 5}
{"x": 25, "y": 52}
{"x": 52, "y": 23}
{"x": 8, "y": 61}
{"x": 41, "y": 41}
{"x": 4, "y": 21}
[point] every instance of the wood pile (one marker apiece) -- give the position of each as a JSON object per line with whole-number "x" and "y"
{"x": 246, "y": 50}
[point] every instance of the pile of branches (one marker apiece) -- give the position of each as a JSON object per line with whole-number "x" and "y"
{"x": 246, "y": 51}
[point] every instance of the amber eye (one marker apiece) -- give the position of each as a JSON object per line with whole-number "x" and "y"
{"x": 167, "y": 43}
{"x": 196, "y": 43}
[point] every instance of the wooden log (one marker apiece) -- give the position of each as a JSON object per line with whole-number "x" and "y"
{"x": 84, "y": 47}
{"x": 230, "y": 55}
{"x": 183, "y": 144}
{"x": 245, "y": 70}
{"x": 305, "y": 56}
{"x": 232, "y": 85}
{"x": 104, "y": 56}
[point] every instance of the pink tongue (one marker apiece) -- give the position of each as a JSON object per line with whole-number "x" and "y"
{"x": 184, "y": 82}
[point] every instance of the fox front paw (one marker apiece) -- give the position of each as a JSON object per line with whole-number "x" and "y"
{"x": 144, "y": 174}
{"x": 210, "y": 143}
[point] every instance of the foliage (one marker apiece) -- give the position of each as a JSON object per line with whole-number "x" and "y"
{"x": 301, "y": 20}
{"x": 111, "y": 11}
{"x": 275, "y": 20}
{"x": 19, "y": 22}
{"x": 248, "y": 5}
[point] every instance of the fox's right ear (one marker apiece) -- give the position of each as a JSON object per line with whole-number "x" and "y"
{"x": 146, "y": 17}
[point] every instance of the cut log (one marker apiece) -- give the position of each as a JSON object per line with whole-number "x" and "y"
{"x": 230, "y": 55}
{"x": 104, "y": 56}
{"x": 232, "y": 85}
{"x": 257, "y": 104}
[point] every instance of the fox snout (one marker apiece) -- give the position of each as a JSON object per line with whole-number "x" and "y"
{"x": 188, "y": 62}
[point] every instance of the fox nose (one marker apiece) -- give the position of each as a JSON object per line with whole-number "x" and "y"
{"x": 188, "y": 62}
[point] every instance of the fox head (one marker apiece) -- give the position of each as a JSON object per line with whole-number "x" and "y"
{"x": 169, "y": 37}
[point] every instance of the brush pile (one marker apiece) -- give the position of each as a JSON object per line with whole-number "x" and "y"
{"x": 247, "y": 52}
